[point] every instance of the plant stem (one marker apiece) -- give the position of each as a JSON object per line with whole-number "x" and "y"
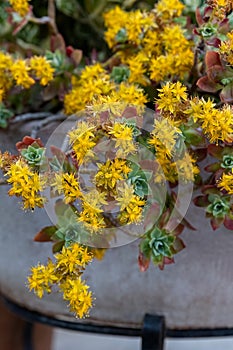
{"x": 29, "y": 116}
{"x": 46, "y": 121}
{"x": 52, "y": 16}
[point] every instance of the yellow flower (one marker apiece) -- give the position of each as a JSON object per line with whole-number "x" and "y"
{"x": 91, "y": 214}
{"x": 167, "y": 9}
{"x": 65, "y": 272}
{"x": 20, "y": 6}
{"x": 76, "y": 292}
{"x": 226, "y": 182}
{"x": 41, "y": 278}
{"x": 131, "y": 206}
{"x": 123, "y": 135}
{"x": 72, "y": 259}
{"x": 170, "y": 96}
{"x": 92, "y": 72}
{"x": 186, "y": 168}
{"x": 19, "y": 71}
{"x": 114, "y": 20}
{"x": 137, "y": 70}
{"x": 132, "y": 94}
{"x": 125, "y": 195}
{"x": 164, "y": 136}
{"x": 42, "y": 68}
{"x": 26, "y": 183}
{"x": 82, "y": 139}
{"x": 93, "y": 82}
{"x": 217, "y": 124}
{"x": 176, "y": 58}
{"x": 68, "y": 185}
{"x": 110, "y": 173}
{"x": 226, "y": 48}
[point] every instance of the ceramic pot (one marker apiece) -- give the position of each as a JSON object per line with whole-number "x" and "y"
{"x": 195, "y": 292}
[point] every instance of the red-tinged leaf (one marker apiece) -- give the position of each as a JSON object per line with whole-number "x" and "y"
{"x": 215, "y": 42}
{"x": 226, "y": 94}
{"x": 76, "y": 56}
{"x": 57, "y": 43}
{"x": 200, "y": 154}
{"x": 199, "y": 18}
{"x": 224, "y": 26}
{"x": 57, "y": 247}
{"x": 27, "y": 141}
{"x": 208, "y": 12}
{"x": 205, "y": 84}
{"x": 187, "y": 224}
{"x": 210, "y": 189}
{"x": 130, "y": 112}
{"x": 216, "y": 222}
{"x": 217, "y": 73}
{"x": 45, "y": 234}
{"x": 201, "y": 201}
{"x": 152, "y": 216}
{"x": 178, "y": 230}
{"x": 218, "y": 174}
{"x": 166, "y": 261}
{"x": 228, "y": 223}
{"x": 58, "y": 153}
{"x": 164, "y": 218}
{"x": 212, "y": 168}
{"x": 178, "y": 245}
{"x": 143, "y": 262}
{"x": 215, "y": 151}
{"x": 212, "y": 58}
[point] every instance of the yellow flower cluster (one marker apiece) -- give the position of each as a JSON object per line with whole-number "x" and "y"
{"x": 217, "y": 124}
{"x": 221, "y": 8}
{"x": 226, "y": 48}
{"x": 95, "y": 87}
{"x": 66, "y": 273}
{"x": 42, "y": 69}
{"x": 171, "y": 96}
{"x": 20, "y": 6}
{"x": 20, "y": 72}
{"x": 110, "y": 173}
{"x": 128, "y": 26}
{"x": 164, "y": 136}
{"x": 181, "y": 169}
{"x": 131, "y": 205}
{"x": 123, "y": 135}
{"x": 23, "y": 72}
{"x": 6, "y": 80}
{"x": 68, "y": 185}
{"x": 94, "y": 201}
{"x": 26, "y": 183}
{"x": 158, "y": 48}
{"x": 82, "y": 139}
{"x": 92, "y": 209}
{"x": 178, "y": 59}
{"x": 226, "y": 182}
{"x": 168, "y": 9}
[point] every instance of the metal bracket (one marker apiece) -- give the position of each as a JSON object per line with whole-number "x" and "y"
{"x": 153, "y": 332}
{"x": 28, "y": 336}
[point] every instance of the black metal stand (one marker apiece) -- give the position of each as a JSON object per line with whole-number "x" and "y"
{"x": 153, "y": 332}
